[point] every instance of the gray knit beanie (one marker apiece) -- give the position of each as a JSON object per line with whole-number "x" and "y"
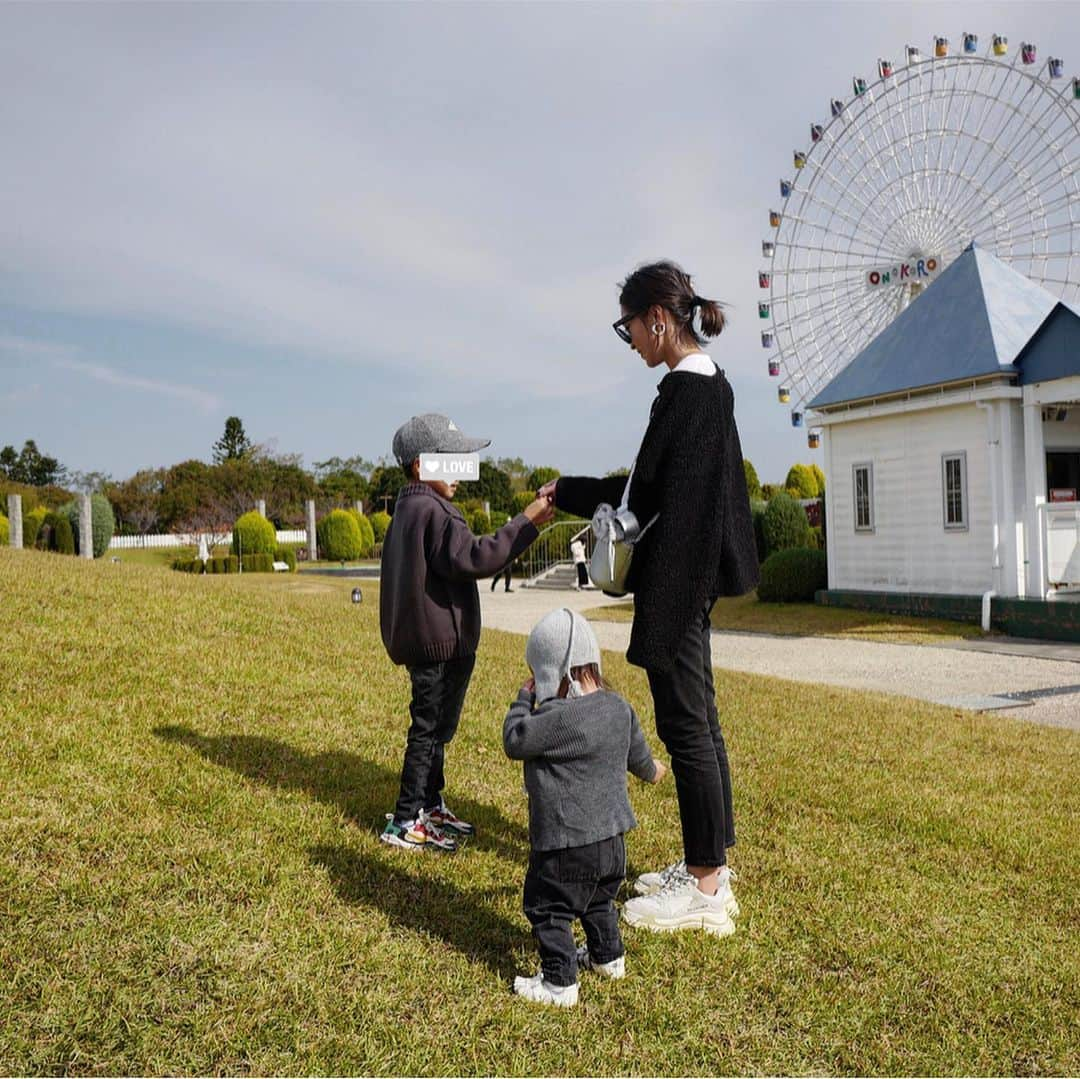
{"x": 560, "y": 640}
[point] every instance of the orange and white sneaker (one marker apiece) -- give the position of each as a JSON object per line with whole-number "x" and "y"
{"x": 416, "y": 835}
{"x": 442, "y": 816}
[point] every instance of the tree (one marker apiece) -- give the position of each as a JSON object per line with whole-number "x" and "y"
{"x": 801, "y": 482}
{"x": 31, "y": 466}
{"x": 493, "y": 487}
{"x": 386, "y": 481}
{"x": 539, "y": 476}
{"x": 753, "y": 484}
{"x": 91, "y": 483}
{"x": 135, "y": 500}
{"x": 234, "y": 443}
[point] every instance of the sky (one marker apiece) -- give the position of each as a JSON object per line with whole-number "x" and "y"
{"x": 325, "y": 218}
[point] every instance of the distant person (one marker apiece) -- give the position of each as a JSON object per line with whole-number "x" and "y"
{"x": 689, "y": 472}
{"x": 578, "y": 739}
{"x": 577, "y": 553}
{"x": 505, "y": 573}
{"x": 429, "y": 614}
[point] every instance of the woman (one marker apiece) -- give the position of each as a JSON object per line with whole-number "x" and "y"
{"x": 689, "y": 470}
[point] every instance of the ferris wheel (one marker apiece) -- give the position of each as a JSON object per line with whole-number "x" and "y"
{"x": 948, "y": 148}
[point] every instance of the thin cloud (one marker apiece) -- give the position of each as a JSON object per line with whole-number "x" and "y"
{"x": 206, "y": 402}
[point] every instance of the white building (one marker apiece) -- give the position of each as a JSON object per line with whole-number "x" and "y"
{"x": 952, "y": 443}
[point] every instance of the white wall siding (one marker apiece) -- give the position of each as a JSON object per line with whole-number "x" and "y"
{"x": 910, "y": 550}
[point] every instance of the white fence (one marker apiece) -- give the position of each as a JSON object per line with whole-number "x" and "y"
{"x": 127, "y": 543}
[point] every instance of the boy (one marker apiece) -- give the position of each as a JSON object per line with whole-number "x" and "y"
{"x": 429, "y": 613}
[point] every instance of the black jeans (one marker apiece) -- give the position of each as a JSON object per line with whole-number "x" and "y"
{"x": 438, "y": 692}
{"x": 575, "y": 882}
{"x": 505, "y": 573}
{"x": 684, "y": 699}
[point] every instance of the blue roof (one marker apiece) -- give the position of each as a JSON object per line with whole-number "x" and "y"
{"x": 1054, "y": 352}
{"x": 973, "y": 321}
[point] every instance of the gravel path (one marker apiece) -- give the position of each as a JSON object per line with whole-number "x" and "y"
{"x": 1034, "y": 681}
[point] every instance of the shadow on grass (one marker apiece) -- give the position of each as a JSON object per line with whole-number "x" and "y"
{"x": 360, "y": 789}
{"x": 465, "y": 920}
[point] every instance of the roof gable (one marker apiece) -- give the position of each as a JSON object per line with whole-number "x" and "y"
{"x": 973, "y": 321}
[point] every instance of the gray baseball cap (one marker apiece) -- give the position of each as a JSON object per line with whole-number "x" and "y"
{"x": 432, "y": 433}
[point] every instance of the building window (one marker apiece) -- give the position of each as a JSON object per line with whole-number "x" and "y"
{"x": 954, "y": 490}
{"x": 864, "y": 497}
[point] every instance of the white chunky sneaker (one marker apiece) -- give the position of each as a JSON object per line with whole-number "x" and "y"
{"x": 541, "y": 992}
{"x": 680, "y": 905}
{"x": 615, "y": 969}
{"x": 651, "y": 883}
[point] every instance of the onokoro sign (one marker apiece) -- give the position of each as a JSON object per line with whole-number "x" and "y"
{"x": 915, "y": 271}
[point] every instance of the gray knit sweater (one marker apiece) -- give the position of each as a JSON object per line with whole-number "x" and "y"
{"x": 577, "y": 752}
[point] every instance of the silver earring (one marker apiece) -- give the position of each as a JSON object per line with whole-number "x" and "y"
{"x": 658, "y": 328}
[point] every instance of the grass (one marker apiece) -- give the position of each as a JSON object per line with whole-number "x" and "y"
{"x": 744, "y": 614}
{"x": 194, "y": 775}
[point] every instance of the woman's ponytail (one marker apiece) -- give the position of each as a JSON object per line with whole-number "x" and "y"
{"x": 669, "y": 286}
{"x": 712, "y": 316}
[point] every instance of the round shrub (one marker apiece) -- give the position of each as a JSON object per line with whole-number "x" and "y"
{"x": 102, "y": 523}
{"x": 5, "y": 533}
{"x": 784, "y": 524}
{"x": 380, "y": 522}
{"x": 757, "y": 514}
{"x": 367, "y": 533}
{"x": 55, "y": 534}
{"x": 288, "y": 556}
{"x": 792, "y": 576}
{"x": 753, "y": 484}
{"x": 522, "y": 500}
{"x": 498, "y": 519}
{"x": 801, "y": 482}
{"x": 253, "y": 534}
{"x": 31, "y": 525}
{"x": 479, "y": 522}
{"x": 338, "y": 536}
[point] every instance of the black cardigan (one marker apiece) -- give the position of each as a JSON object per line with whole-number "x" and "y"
{"x": 690, "y": 470}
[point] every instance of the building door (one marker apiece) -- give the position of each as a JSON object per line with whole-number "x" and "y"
{"x": 1063, "y": 475}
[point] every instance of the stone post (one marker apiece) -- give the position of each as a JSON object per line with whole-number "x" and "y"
{"x": 360, "y": 507}
{"x": 312, "y": 546}
{"x": 86, "y": 531}
{"x": 14, "y": 512}
{"x": 260, "y": 507}
{"x": 487, "y": 507}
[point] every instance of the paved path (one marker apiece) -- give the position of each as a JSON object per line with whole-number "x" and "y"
{"x": 1035, "y": 681}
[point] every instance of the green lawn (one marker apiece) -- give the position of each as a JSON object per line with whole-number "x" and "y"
{"x": 195, "y": 771}
{"x": 745, "y": 614}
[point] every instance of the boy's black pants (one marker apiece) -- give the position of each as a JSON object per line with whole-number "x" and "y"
{"x": 575, "y": 882}
{"x": 438, "y": 692}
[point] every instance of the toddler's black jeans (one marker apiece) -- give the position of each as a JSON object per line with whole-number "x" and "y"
{"x": 438, "y": 692}
{"x": 684, "y": 701}
{"x": 575, "y": 882}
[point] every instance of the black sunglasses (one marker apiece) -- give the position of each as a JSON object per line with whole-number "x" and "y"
{"x": 620, "y": 327}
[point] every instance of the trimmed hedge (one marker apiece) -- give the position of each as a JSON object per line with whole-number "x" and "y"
{"x": 792, "y": 575}
{"x": 55, "y": 535}
{"x": 338, "y": 536}
{"x": 187, "y": 565}
{"x": 258, "y": 563}
{"x": 102, "y": 523}
{"x": 367, "y": 533}
{"x": 380, "y": 522}
{"x": 253, "y": 534}
{"x": 757, "y": 515}
{"x": 31, "y": 525}
{"x": 5, "y": 533}
{"x": 288, "y": 555}
{"x": 785, "y": 524}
